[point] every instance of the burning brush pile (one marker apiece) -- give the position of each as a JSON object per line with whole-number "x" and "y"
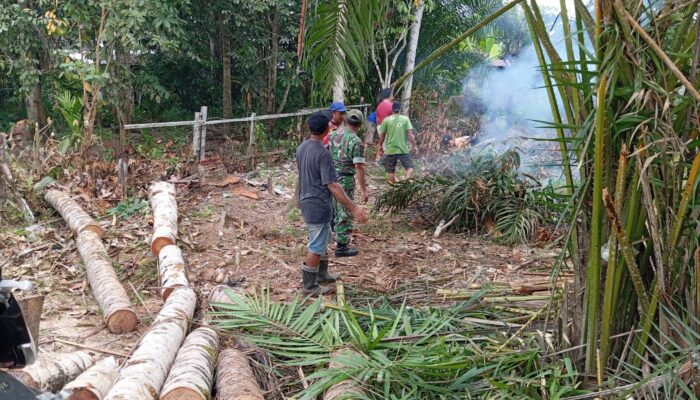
{"x": 480, "y": 192}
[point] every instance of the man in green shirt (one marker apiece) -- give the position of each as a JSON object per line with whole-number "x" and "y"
{"x": 397, "y": 131}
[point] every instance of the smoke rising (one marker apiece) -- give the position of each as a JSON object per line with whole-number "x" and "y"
{"x": 510, "y": 97}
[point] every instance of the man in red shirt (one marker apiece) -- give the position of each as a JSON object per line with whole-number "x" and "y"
{"x": 386, "y": 100}
{"x": 384, "y": 107}
{"x": 338, "y": 110}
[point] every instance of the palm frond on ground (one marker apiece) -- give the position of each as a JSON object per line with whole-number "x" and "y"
{"x": 483, "y": 192}
{"x": 398, "y": 352}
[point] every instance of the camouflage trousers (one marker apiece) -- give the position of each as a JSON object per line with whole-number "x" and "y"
{"x": 343, "y": 218}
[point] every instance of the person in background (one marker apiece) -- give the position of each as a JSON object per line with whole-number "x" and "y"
{"x": 338, "y": 111}
{"x": 397, "y": 132}
{"x": 386, "y": 99}
{"x": 371, "y": 135}
{"x": 349, "y": 157}
{"x": 318, "y": 185}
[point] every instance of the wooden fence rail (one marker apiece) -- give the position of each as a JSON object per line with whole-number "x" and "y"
{"x": 200, "y": 123}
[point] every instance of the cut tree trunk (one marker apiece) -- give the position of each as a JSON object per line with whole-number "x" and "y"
{"x": 171, "y": 268}
{"x": 347, "y": 389}
{"x": 94, "y": 383}
{"x": 192, "y": 374}
{"x": 52, "y": 371}
{"x": 162, "y": 195}
{"x": 235, "y": 379}
{"x": 219, "y": 295}
{"x": 144, "y": 373}
{"x": 72, "y": 213}
{"x": 105, "y": 285}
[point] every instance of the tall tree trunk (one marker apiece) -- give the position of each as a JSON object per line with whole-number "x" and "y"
{"x": 226, "y": 65}
{"x": 339, "y": 88}
{"x": 36, "y": 113}
{"x": 411, "y": 57}
{"x": 274, "y": 53}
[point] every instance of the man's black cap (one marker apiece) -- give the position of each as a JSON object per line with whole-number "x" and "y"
{"x": 396, "y": 106}
{"x": 318, "y": 122}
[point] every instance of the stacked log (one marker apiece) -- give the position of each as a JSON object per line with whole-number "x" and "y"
{"x": 164, "y": 205}
{"x": 143, "y": 375}
{"x": 220, "y": 295}
{"x": 108, "y": 291}
{"x": 171, "y": 264}
{"x": 192, "y": 374}
{"x": 52, "y": 371}
{"x": 77, "y": 219}
{"x": 347, "y": 389}
{"x": 94, "y": 383}
{"x": 235, "y": 379}
{"x": 171, "y": 269}
{"x": 105, "y": 285}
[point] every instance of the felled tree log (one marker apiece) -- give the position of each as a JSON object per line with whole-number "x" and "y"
{"x": 72, "y": 213}
{"x": 171, "y": 268}
{"x": 218, "y": 294}
{"x": 347, "y": 389}
{"x": 192, "y": 374}
{"x": 143, "y": 375}
{"x": 94, "y": 383}
{"x": 164, "y": 205}
{"x": 235, "y": 379}
{"x": 51, "y": 372}
{"x": 110, "y": 294}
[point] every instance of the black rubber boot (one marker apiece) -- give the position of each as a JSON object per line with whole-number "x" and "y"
{"x": 323, "y": 275}
{"x": 310, "y": 287}
{"x": 342, "y": 250}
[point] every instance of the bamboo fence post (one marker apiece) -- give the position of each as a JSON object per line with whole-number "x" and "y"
{"x": 251, "y": 143}
{"x": 202, "y": 132}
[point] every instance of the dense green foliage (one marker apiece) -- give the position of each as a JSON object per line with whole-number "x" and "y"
{"x": 160, "y": 60}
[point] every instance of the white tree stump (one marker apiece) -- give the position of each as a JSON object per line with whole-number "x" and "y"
{"x": 76, "y": 218}
{"x": 192, "y": 374}
{"x": 52, "y": 371}
{"x": 235, "y": 379}
{"x": 164, "y": 205}
{"x": 172, "y": 270}
{"x": 94, "y": 383}
{"x": 110, "y": 294}
{"x": 143, "y": 375}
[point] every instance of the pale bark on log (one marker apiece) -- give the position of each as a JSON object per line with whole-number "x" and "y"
{"x": 110, "y": 294}
{"x": 171, "y": 269}
{"x": 77, "y": 219}
{"x": 235, "y": 379}
{"x": 192, "y": 374}
{"x": 52, "y": 371}
{"x": 94, "y": 383}
{"x": 164, "y": 205}
{"x": 143, "y": 375}
{"x": 218, "y": 295}
{"x": 347, "y": 389}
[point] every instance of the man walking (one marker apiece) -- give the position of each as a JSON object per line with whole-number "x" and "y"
{"x": 337, "y": 112}
{"x": 318, "y": 185}
{"x": 397, "y": 131}
{"x": 386, "y": 101}
{"x": 349, "y": 157}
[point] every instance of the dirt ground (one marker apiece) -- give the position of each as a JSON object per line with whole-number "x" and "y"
{"x": 230, "y": 237}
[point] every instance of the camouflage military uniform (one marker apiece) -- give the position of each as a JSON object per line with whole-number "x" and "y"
{"x": 347, "y": 150}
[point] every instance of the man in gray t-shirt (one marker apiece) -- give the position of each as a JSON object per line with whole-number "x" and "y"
{"x": 318, "y": 184}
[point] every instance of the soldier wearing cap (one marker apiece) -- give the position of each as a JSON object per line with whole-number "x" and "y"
{"x": 348, "y": 153}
